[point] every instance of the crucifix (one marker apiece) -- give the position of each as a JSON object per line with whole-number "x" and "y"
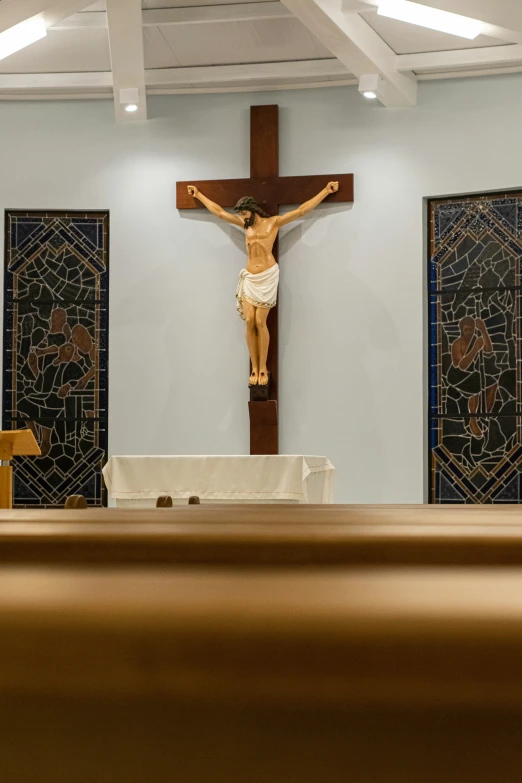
{"x": 268, "y": 189}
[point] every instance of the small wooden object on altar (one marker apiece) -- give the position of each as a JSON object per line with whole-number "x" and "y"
{"x": 76, "y": 502}
{"x": 164, "y": 501}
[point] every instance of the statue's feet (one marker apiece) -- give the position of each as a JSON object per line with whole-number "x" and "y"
{"x": 263, "y": 378}
{"x": 254, "y": 378}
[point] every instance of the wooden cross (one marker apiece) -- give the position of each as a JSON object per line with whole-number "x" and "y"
{"x": 271, "y": 192}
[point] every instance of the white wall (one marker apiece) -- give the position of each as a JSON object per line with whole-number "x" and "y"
{"x": 352, "y": 289}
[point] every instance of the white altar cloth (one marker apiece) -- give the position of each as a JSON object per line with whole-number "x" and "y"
{"x": 219, "y": 479}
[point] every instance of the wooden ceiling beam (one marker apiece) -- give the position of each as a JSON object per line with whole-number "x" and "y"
{"x": 127, "y": 56}
{"x": 351, "y": 39}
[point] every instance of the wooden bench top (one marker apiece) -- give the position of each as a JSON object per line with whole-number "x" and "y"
{"x": 158, "y": 538}
{"x": 375, "y": 676}
{"x": 288, "y": 514}
{"x": 401, "y": 637}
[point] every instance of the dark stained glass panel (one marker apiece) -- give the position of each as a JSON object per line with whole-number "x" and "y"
{"x": 55, "y": 352}
{"x": 475, "y": 405}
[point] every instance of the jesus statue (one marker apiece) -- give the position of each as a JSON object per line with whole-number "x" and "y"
{"x": 257, "y": 289}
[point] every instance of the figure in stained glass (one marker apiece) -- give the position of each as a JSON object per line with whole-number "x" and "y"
{"x": 475, "y": 264}
{"x": 473, "y": 370}
{"x": 55, "y": 352}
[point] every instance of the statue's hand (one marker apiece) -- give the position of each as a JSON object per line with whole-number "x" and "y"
{"x": 193, "y": 191}
{"x": 332, "y": 187}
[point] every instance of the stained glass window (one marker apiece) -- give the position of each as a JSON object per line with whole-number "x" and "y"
{"x": 55, "y": 352}
{"x": 475, "y": 402}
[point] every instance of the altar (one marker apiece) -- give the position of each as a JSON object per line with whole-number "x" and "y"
{"x": 139, "y": 480}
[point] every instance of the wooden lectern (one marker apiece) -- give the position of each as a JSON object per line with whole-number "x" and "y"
{"x": 14, "y": 443}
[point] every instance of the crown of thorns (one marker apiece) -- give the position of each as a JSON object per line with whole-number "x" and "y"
{"x": 248, "y": 202}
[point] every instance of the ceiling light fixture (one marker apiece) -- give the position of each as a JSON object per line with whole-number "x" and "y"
{"x": 130, "y": 99}
{"x": 372, "y": 86}
{"x": 22, "y": 35}
{"x": 422, "y": 15}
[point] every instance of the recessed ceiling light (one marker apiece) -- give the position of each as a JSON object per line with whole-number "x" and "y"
{"x": 131, "y": 107}
{"x": 370, "y": 95}
{"x": 422, "y": 15}
{"x": 21, "y": 35}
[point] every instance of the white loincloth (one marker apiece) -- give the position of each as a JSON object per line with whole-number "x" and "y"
{"x": 260, "y": 290}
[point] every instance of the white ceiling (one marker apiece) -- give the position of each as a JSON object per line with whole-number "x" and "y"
{"x": 258, "y": 44}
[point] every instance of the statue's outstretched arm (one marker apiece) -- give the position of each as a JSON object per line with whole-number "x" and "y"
{"x": 304, "y": 209}
{"x": 216, "y": 210}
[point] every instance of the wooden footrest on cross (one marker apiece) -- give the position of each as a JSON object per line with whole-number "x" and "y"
{"x": 260, "y": 393}
{"x": 264, "y": 437}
